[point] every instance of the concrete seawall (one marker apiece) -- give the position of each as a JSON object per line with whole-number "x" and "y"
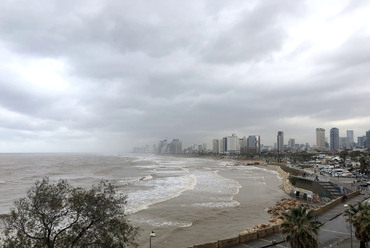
{"x": 242, "y": 238}
{"x": 336, "y": 202}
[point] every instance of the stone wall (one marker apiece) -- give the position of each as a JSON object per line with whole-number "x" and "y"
{"x": 336, "y": 202}
{"x": 243, "y": 237}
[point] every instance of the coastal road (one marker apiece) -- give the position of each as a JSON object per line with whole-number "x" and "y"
{"x": 333, "y": 231}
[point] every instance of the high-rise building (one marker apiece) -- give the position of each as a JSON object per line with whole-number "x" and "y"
{"x": 280, "y": 141}
{"x": 215, "y": 146}
{"x": 243, "y": 145}
{"x": 291, "y": 143}
{"x": 350, "y": 136}
{"x": 254, "y": 144}
{"x": 224, "y": 144}
{"x": 367, "y": 141}
{"x": 176, "y": 146}
{"x": 221, "y": 146}
{"x": 233, "y": 144}
{"x": 345, "y": 143}
{"x": 320, "y": 138}
{"x": 361, "y": 141}
{"x": 162, "y": 147}
{"x": 334, "y": 139}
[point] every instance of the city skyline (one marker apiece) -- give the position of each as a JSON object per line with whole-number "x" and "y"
{"x": 105, "y": 76}
{"x": 228, "y": 143}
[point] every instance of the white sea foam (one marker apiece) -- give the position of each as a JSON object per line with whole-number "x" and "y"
{"x": 129, "y": 180}
{"x": 212, "y": 182}
{"x": 164, "y": 223}
{"x": 225, "y": 204}
{"x": 146, "y": 178}
{"x": 147, "y": 166}
{"x": 158, "y": 190}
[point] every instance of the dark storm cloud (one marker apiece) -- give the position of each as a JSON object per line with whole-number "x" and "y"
{"x": 149, "y": 70}
{"x": 258, "y": 33}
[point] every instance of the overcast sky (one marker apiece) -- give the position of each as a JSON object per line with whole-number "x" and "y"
{"x": 108, "y": 75}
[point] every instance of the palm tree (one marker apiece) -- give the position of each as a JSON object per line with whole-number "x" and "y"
{"x": 343, "y": 155}
{"x": 363, "y": 165}
{"x": 301, "y": 228}
{"x": 360, "y": 218}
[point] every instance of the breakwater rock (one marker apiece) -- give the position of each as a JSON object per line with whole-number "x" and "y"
{"x": 283, "y": 206}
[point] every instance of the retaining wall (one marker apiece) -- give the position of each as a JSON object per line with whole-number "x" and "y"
{"x": 335, "y": 202}
{"x": 242, "y": 238}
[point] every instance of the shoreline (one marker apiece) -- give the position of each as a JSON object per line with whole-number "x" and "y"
{"x": 286, "y": 185}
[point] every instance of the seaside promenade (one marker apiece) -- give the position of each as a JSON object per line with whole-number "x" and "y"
{"x": 334, "y": 232}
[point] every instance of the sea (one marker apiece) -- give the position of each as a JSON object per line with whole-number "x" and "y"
{"x": 185, "y": 201}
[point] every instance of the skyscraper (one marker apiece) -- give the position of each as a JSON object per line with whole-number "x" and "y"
{"x": 350, "y": 136}
{"x": 334, "y": 139}
{"x": 361, "y": 141}
{"x": 320, "y": 138}
{"x": 233, "y": 144}
{"x": 254, "y": 144}
{"x": 221, "y": 146}
{"x": 367, "y": 140}
{"x": 280, "y": 141}
{"x": 291, "y": 143}
{"x": 224, "y": 144}
{"x": 176, "y": 146}
{"x": 216, "y": 146}
{"x": 350, "y": 139}
{"x": 243, "y": 145}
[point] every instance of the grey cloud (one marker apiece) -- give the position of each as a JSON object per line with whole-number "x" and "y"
{"x": 254, "y": 37}
{"x": 142, "y": 27}
{"x": 150, "y": 70}
{"x": 354, "y": 52}
{"x": 15, "y": 98}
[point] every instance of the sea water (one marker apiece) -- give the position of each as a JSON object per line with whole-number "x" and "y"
{"x": 185, "y": 201}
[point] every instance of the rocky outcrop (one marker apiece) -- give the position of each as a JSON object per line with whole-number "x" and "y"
{"x": 255, "y": 228}
{"x": 282, "y": 206}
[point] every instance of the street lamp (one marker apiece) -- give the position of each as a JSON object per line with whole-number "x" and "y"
{"x": 350, "y": 222}
{"x": 152, "y": 235}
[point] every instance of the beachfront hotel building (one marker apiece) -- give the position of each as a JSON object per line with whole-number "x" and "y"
{"x": 334, "y": 139}
{"x": 280, "y": 141}
{"x": 320, "y": 138}
{"x": 233, "y": 144}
